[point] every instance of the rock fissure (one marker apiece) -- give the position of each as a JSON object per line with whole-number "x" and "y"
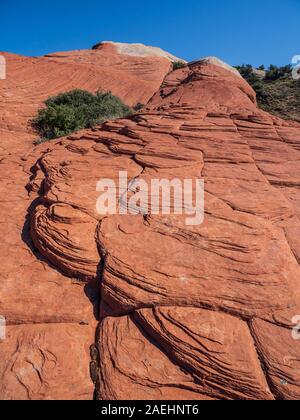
{"x": 202, "y": 312}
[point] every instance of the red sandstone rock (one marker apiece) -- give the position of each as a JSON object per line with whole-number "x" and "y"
{"x": 215, "y": 347}
{"x": 57, "y": 230}
{"x": 132, "y": 367}
{"x": 44, "y": 362}
{"x": 280, "y": 355}
{"x": 187, "y": 312}
{"x": 30, "y": 80}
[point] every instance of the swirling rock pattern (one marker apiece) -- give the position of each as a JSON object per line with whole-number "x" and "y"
{"x": 31, "y": 80}
{"x": 186, "y": 312}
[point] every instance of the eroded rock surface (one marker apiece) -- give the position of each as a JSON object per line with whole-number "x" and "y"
{"x": 31, "y": 80}
{"x": 186, "y": 312}
{"x": 44, "y": 362}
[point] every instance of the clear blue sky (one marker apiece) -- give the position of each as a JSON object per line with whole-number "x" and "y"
{"x": 238, "y": 31}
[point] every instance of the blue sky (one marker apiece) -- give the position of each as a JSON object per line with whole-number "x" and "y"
{"x": 237, "y": 31}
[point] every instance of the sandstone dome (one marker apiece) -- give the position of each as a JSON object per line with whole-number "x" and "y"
{"x": 217, "y": 62}
{"x": 138, "y": 50}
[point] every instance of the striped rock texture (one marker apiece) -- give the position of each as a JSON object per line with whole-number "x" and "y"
{"x": 170, "y": 311}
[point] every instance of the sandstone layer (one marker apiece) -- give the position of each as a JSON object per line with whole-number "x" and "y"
{"x": 46, "y": 312}
{"x": 185, "y": 312}
{"x": 31, "y": 80}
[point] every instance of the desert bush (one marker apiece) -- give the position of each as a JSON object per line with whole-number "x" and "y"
{"x": 278, "y": 93}
{"x": 72, "y": 111}
{"x": 246, "y": 70}
{"x": 138, "y": 107}
{"x": 275, "y": 73}
{"x": 178, "y": 65}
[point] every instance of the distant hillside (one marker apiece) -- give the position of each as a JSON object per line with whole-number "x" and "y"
{"x": 276, "y": 90}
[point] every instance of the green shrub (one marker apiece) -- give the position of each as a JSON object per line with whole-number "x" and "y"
{"x": 246, "y": 71}
{"x": 277, "y": 93}
{"x": 72, "y": 111}
{"x": 275, "y": 73}
{"x": 138, "y": 107}
{"x": 178, "y": 65}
